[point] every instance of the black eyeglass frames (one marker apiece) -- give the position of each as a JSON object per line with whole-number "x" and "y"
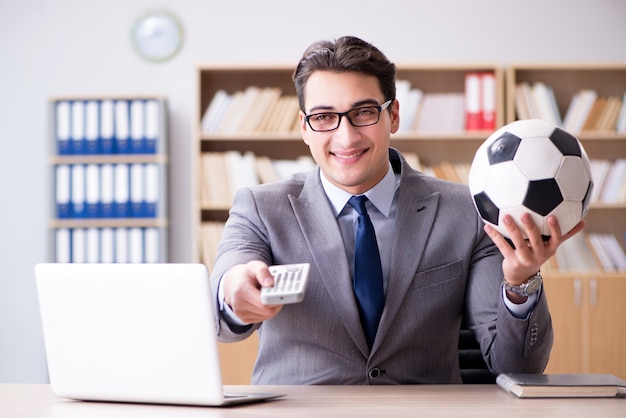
{"x": 358, "y": 117}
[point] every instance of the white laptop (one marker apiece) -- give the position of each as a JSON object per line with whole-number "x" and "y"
{"x": 140, "y": 333}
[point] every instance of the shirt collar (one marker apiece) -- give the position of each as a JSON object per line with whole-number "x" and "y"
{"x": 381, "y": 195}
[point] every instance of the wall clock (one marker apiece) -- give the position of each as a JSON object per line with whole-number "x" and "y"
{"x": 157, "y": 36}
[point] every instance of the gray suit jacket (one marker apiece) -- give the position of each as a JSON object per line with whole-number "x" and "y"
{"x": 444, "y": 267}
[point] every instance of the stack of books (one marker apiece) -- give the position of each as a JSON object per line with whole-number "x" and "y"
{"x": 587, "y": 111}
{"x": 253, "y": 111}
{"x": 448, "y": 112}
{"x": 223, "y": 173}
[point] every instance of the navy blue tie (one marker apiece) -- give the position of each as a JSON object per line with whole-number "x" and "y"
{"x": 368, "y": 273}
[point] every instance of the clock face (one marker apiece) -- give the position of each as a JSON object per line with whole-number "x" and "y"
{"x": 157, "y": 36}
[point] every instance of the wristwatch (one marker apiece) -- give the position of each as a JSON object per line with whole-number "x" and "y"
{"x": 530, "y": 286}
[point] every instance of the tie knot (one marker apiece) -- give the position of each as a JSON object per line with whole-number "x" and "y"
{"x": 358, "y": 203}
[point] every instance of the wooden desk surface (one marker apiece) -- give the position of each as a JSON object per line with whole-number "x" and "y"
{"x": 33, "y": 401}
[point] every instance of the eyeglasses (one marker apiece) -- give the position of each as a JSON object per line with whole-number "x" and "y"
{"x": 358, "y": 117}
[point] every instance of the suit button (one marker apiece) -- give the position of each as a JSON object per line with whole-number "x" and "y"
{"x": 374, "y": 373}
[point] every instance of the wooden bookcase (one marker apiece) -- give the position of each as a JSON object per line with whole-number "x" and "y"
{"x": 143, "y": 229}
{"x": 456, "y": 147}
{"x": 432, "y": 149}
{"x": 590, "y": 336}
{"x": 566, "y": 80}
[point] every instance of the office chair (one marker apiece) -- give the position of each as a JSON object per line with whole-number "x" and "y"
{"x": 473, "y": 366}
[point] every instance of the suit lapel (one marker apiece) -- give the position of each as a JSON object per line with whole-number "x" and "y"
{"x": 324, "y": 241}
{"x": 415, "y": 217}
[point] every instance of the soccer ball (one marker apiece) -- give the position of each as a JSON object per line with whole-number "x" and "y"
{"x": 531, "y": 166}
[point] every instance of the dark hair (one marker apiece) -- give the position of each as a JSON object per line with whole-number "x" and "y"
{"x": 346, "y": 54}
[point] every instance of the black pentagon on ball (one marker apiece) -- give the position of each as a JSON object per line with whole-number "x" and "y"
{"x": 503, "y": 149}
{"x": 587, "y": 200}
{"x": 566, "y": 143}
{"x": 542, "y": 196}
{"x": 487, "y": 209}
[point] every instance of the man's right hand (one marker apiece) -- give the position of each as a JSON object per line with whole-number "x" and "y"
{"x": 242, "y": 291}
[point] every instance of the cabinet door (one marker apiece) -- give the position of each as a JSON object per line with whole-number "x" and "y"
{"x": 237, "y": 360}
{"x": 565, "y": 299}
{"x": 606, "y": 337}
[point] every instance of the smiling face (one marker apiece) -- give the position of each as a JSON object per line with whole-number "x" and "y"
{"x": 352, "y": 158}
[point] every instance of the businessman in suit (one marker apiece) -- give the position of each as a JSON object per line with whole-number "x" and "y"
{"x": 439, "y": 264}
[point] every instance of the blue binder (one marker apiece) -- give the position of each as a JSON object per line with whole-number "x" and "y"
{"x": 77, "y": 133}
{"x": 121, "y": 192}
{"x": 137, "y": 127}
{"x": 92, "y": 191}
{"x": 107, "y": 127}
{"x": 152, "y": 126}
{"x": 78, "y": 204}
{"x": 63, "y": 191}
{"x": 62, "y": 126}
{"x": 92, "y": 127}
{"x": 122, "y": 127}
{"x": 137, "y": 191}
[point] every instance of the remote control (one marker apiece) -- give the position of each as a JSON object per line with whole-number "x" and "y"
{"x": 289, "y": 284}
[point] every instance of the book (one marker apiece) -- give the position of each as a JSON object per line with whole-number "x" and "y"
{"x": 546, "y": 103}
{"x": 620, "y": 124}
{"x": 526, "y": 385}
{"x": 473, "y": 117}
{"x": 488, "y": 100}
{"x": 594, "y": 115}
{"x": 214, "y": 111}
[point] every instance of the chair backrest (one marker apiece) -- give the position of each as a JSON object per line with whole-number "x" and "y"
{"x": 471, "y": 361}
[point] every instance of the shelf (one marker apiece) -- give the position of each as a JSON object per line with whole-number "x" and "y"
{"x": 86, "y": 183}
{"x": 109, "y": 159}
{"x": 109, "y": 223}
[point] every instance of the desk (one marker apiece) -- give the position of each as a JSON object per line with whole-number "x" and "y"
{"x": 34, "y": 401}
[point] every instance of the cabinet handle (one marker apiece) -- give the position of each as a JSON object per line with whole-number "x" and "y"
{"x": 593, "y": 289}
{"x": 577, "y": 292}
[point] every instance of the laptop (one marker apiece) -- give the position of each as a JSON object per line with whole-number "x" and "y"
{"x": 141, "y": 333}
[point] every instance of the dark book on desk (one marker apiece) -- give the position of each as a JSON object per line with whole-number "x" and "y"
{"x": 525, "y": 385}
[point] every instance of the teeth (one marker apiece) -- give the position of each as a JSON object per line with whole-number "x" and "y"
{"x": 349, "y": 156}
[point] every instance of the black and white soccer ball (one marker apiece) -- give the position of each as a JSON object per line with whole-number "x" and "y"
{"x": 531, "y": 166}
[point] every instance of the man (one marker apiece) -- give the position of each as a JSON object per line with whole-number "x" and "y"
{"x": 438, "y": 263}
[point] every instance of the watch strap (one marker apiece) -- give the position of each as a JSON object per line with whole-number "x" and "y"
{"x": 529, "y": 287}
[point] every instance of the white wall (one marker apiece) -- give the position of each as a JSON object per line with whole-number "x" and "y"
{"x": 77, "y": 47}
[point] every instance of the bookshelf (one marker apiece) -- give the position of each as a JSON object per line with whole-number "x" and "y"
{"x": 108, "y": 170}
{"x": 430, "y": 145}
{"x": 565, "y": 81}
{"x": 586, "y": 306}
{"x": 431, "y": 150}
{"x": 454, "y": 144}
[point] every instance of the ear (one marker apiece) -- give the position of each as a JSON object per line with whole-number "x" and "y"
{"x": 303, "y": 129}
{"x": 394, "y": 117}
